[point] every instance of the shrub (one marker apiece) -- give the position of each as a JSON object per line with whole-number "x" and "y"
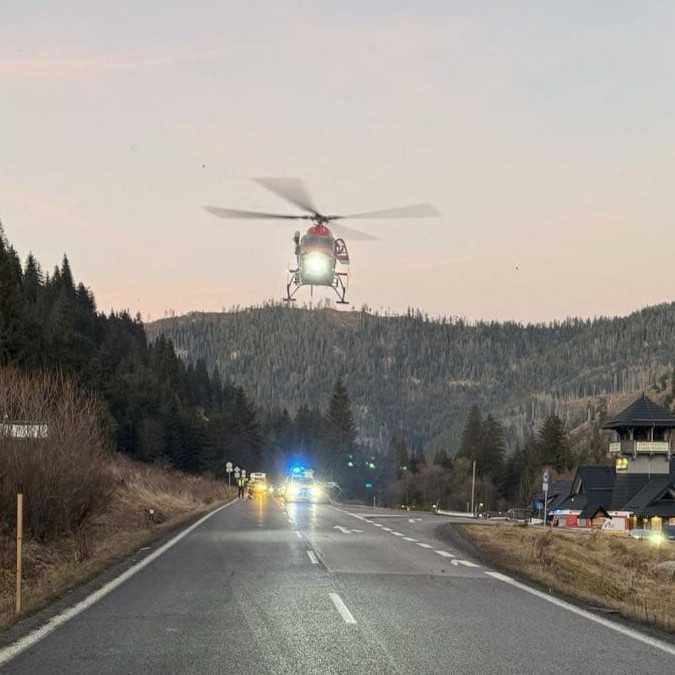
{"x": 62, "y": 476}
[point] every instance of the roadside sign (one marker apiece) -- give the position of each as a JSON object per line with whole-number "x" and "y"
{"x": 236, "y": 472}
{"x": 546, "y": 476}
{"x": 243, "y": 473}
{"x": 24, "y": 430}
{"x": 228, "y": 467}
{"x": 544, "y": 487}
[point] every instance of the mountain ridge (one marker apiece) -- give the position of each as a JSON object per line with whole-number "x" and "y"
{"x": 420, "y": 375}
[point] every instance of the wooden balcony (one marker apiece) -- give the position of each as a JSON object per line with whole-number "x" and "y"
{"x": 642, "y": 447}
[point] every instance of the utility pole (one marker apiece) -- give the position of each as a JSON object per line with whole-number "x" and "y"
{"x": 473, "y": 489}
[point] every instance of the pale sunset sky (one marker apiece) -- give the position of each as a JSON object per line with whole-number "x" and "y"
{"x": 544, "y": 132}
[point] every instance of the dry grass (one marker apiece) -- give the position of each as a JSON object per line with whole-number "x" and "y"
{"x": 597, "y": 568}
{"x": 123, "y": 526}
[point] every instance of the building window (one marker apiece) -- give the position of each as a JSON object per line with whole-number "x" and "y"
{"x": 622, "y": 464}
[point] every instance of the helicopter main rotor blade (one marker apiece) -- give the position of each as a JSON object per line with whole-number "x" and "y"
{"x": 350, "y": 233}
{"x": 236, "y": 213}
{"x": 293, "y": 190}
{"x": 412, "y": 211}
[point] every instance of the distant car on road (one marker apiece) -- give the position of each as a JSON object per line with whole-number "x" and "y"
{"x": 305, "y": 489}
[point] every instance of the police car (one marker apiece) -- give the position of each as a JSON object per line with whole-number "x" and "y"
{"x": 301, "y": 486}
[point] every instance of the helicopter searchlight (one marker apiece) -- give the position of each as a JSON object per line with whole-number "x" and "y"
{"x": 321, "y": 257}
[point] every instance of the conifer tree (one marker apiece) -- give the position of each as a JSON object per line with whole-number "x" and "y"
{"x": 554, "y": 447}
{"x": 472, "y": 436}
{"x": 340, "y": 431}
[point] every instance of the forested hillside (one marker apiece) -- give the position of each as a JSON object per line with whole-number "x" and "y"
{"x": 157, "y": 407}
{"x": 421, "y": 375}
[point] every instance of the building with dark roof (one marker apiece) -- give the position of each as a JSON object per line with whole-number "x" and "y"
{"x": 645, "y": 438}
{"x": 639, "y": 490}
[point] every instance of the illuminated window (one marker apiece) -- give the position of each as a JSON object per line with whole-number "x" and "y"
{"x": 622, "y": 464}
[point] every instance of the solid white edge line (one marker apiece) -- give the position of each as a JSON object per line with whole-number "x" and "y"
{"x": 624, "y": 630}
{"x": 311, "y": 555}
{"x": 12, "y": 651}
{"x": 342, "y": 608}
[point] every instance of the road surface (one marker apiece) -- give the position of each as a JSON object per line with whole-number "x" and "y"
{"x": 263, "y": 588}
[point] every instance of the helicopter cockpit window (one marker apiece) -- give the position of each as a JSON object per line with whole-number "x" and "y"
{"x": 310, "y": 241}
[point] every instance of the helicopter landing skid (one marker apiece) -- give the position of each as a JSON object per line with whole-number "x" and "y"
{"x": 338, "y": 285}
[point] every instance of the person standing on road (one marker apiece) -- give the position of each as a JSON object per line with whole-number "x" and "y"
{"x": 240, "y": 484}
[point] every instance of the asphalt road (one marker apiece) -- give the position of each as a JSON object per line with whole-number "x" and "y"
{"x": 264, "y": 588}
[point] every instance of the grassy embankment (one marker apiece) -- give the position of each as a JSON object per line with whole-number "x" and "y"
{"x": 120, "y": 528}
{"x": 597, "y": 569}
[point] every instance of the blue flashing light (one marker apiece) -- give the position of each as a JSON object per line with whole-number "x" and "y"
{"x": 297, "y": 469}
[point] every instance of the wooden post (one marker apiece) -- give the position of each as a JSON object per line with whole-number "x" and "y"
{"x": 19, "y": 546}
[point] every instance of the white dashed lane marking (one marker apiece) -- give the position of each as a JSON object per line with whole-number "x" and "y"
{"x": 397, "y": 534}
{"x": 342, "y": 608}
{"x": 311, "y": 555}
{"x": 409, "y": 539}
{"x": 424, "y": 545}
{"x": 445, "y": 554}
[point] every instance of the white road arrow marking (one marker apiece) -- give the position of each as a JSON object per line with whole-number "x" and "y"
{"x": 466, "y": 563}
{"x": 346, "y": 530}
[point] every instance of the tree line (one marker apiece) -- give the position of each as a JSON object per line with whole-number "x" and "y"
{"x": 158, "y": 408}
{"x": 503, "y": 479}
{"x": 424, "y": 374}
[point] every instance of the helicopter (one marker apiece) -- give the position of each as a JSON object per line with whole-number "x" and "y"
{"x": 321, "y": 254}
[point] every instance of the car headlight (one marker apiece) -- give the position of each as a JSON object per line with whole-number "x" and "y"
{"x": 292, "y": 491}
{"x": 317, "y": 492}
{"x": 657, "y": 538}
{"x": 315, "y": 265}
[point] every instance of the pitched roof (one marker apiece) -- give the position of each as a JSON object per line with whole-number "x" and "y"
{"x": 626, "y": 486}
{"x": 642, "y": 413}
{"x": 649, "y": 493}
{"x": 591, "y": 510}
{"x": 594, "y": 484}
{"x": 560, "y": 487}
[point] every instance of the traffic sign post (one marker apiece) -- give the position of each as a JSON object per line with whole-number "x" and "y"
{"x": 545, "y": 488}
{"x": 228, "y": 469}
